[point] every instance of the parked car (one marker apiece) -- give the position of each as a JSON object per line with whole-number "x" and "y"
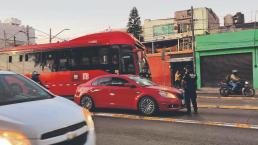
{"x": 30, "y": 115}
{"x": 128, "y": 92}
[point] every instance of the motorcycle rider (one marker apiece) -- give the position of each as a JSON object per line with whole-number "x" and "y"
{"x": 234, "y": 79}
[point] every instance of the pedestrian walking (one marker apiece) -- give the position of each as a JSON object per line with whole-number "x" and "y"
{"x": 189, "y": 85}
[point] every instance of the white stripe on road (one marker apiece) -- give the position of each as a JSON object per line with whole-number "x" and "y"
{"x": 172, "y": 120}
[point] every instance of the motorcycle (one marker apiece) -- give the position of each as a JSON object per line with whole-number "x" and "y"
{"x": 243, "y": 88}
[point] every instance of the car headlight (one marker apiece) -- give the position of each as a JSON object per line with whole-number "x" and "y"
{"x": 13, "y": 138}
{"x": 88, "y": 118}
{"x": 167, "y": 95}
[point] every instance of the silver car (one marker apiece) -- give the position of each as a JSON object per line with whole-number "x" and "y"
{"x": 31, "y": 115}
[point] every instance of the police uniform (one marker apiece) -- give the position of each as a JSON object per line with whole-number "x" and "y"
{"x": 189, "y": 85}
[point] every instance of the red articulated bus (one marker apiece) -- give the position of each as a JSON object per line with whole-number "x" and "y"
{"x": 61, "y": 67}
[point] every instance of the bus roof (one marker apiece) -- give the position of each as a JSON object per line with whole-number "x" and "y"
{"x": 104, "y": 38}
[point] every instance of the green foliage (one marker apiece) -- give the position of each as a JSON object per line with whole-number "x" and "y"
{"x": 134, "y": 23}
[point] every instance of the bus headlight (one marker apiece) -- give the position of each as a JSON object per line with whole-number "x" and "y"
{"x": 13, "y": 138}
{"x": 88, "y": 119}
{"x": 166, "y": 94}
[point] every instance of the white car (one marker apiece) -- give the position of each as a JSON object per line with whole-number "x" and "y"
{"x": 31, "y": 115}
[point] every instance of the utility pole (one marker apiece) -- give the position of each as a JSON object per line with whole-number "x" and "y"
{"x": 193, "y": 38}
{"x": 255, "y": 49}
{"x": 28, "y": 35}
{"x": 50, "y": 36}
{"x": 14, "y": 41}
{"x": 5, "y": 39}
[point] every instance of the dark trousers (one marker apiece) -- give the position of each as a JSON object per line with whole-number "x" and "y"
{"x": 191, "y": 96}
{"x": 177, "y": 84}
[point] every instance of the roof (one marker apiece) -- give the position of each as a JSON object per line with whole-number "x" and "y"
{"x": 115, "y": 75}
{"x": 6, "y": 72}
{"x": 105, "y": 38}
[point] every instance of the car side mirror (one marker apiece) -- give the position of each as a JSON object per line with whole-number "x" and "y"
{"x": 129, "y": 85}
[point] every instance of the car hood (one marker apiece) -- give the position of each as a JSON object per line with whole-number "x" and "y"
{"x": 38, "y": 117}
{"x": 165, "y": 88}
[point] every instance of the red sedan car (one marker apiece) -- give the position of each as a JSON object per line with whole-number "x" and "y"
{"x": 128, "y": 92}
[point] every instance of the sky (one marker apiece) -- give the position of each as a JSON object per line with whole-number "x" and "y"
{"x": 90, "y": 16}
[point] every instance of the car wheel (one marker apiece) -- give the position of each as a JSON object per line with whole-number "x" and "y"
{"x": 87, "y": 102}
{"x": 147, "y": 106}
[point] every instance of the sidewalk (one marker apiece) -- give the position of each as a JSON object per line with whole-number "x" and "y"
{"x": 214, "y": 92}
{"x": 210, "y": 98}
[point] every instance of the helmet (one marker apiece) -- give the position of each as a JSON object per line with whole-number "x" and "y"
{"x": 234, "y": 71}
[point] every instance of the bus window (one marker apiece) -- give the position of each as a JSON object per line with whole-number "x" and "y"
{"x": 86, "y": 61}
{"x": 103, "y": 55}
{"x": 143, "y": 65}
{"x": 126, "y": 60}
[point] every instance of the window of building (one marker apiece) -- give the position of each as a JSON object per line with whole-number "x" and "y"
{"x": 10, "y": 59}
{"x": 183, "y": 27}
{"x": 26, "y": 57}
{"x": 21, "y": 58}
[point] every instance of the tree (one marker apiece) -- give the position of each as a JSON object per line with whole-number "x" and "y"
{"x": 134, "y": 23}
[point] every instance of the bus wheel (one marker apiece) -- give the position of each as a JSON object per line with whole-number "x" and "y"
{"x": 87, "y": 102}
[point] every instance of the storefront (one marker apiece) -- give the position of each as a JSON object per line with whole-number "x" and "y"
{"x": 178, "y": 62}
{"x": 218, "y": 54}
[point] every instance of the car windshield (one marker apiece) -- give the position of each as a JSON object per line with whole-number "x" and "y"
{"x": 16, "y": 89}
{"x": 142, "y": 81}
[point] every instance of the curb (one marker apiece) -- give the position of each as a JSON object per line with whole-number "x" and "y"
{"x": 231, "y": 98}
{"x": 171, "y": 120}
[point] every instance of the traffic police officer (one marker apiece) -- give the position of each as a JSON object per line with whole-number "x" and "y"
{"x": 189, "y": 86}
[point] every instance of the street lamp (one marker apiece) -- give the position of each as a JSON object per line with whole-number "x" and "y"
{"x": 52, "y": 37}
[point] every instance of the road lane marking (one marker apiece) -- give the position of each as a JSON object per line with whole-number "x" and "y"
{"x": 173, "y": 120}
{"x": 228, "y": 107}
{"x": 228, "y": 98}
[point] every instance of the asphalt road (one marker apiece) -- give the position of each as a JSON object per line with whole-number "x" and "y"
{"x": 125, "y": 131}
{"x": 115, "y": 131}
{"x": 220, "y": 115}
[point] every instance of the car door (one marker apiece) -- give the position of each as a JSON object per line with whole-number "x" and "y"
{"x": 100, "y": 92}
{"x": 122, "y": 96}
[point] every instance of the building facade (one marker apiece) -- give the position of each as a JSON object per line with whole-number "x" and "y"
{"x": 172, "y": 40}
{"x": 12, "y": 33}
{"x": 218, "y": 54}
{"x": 205, "y": 21}
{"x": 159, "y": 29}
